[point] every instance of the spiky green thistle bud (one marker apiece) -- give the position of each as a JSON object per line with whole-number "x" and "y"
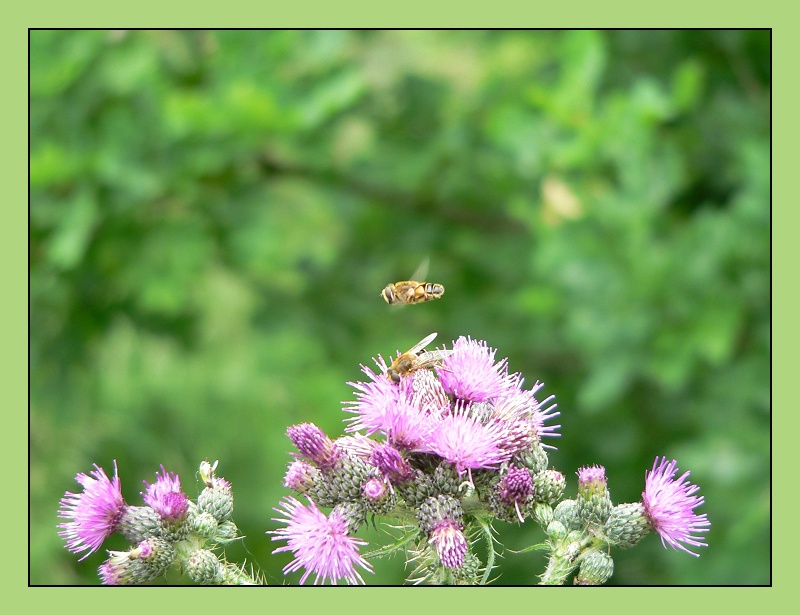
{"x": 556, "y": 530}
{"x": 416, "y": 490}
{"x": 627, "y": 525}
{"x": 470, "y": 570}
{"x": 549, "y": 486}
{"x": 354, "y": 514}
{"x": 596, "y": 568}
{"x": 217, "y": 500}
{"x": 446, "y": 479}
{"x": 594, "y": 501}
{"x": 542, "y": 513}
{"x": 145, "y": 562}
{"x": 204, "y": 524}
{"x": 159, "y": 553}
{"x": 175, "y": 530}
{"x": 343, "y": 483}
{"x": 378, "y": 497}
{"x": 139, "y": 523}
{"x": 204, "y": 568}
{"x": 436, "y": 509}
{"x": 568, "y": 514}
{"x": 238, "y": 575}
{"x": 226, "y": 532}
{"x": 534, "y": 458}
{"x": 177, "y": 523}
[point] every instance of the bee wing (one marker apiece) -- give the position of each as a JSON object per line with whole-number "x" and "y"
{"x": 431, "y": 357}
{"x": 422, "y": 270}
{"x": 422, "y": 343}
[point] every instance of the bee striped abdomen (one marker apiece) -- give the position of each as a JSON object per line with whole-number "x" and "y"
{"x": 410, "y": 291}
{"x": 433, "y": 291}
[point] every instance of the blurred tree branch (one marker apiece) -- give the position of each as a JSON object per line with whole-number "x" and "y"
{"x": 493, "y": 220}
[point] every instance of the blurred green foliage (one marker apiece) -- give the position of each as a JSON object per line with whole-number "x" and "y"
{"x": 213, "y": 215}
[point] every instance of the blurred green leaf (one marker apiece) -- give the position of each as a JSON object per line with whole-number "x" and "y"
{"x": 687, "y": 85}
{"x": 71, "y": 238}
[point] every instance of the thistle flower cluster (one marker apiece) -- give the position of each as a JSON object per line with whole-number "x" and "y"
{"x": 442, "y": 455}
{"x": 169, "y": 531}
{"x": 581, "y": 530}
{"x": 438, "y": 454}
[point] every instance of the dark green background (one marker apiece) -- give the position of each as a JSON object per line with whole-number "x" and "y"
{"x": 213, "y": 215}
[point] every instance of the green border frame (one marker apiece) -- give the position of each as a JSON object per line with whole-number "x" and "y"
{"x": 348, "y": 13}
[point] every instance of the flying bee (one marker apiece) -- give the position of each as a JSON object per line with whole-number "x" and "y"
{"x": 410, "y": 291}
{"x": 416, "y": 358}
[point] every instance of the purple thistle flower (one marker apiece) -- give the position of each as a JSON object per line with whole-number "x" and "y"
{"x": 375, "y": 489}
{"x": 592, "y": 479}
{"x": 391, "y": 463}
{"x": 357, "y": 446}
{"x": 165, "y": 496}
{"x": 450, "y": 543}
{"x": 407, "y": 426}
{"x": 471, "y": 374}
{"x": 540, "y": 415}
{"x": 522, "y": 405}
{"x": 516, "y": 435}
{"x": 320, "y": 544}
{"x": 145, "y": 549}
{"x": 110, "y": 572}
{"x": 374, "y": 399}
{"x": 428, "y": 394}
{"x": 141, "y": 564}
{"x": 467, "y": 443}
{"x": 384, "y": 407}
{"x": 300, "y": 476}
{"x": 669, "y": 504}
{"x": 312, "y": 442}
{"x": 94, "y": 514}
{"x": 594, "y": 500}
{"x": 516, "y": 487}
{"x": 516, "y": 406}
